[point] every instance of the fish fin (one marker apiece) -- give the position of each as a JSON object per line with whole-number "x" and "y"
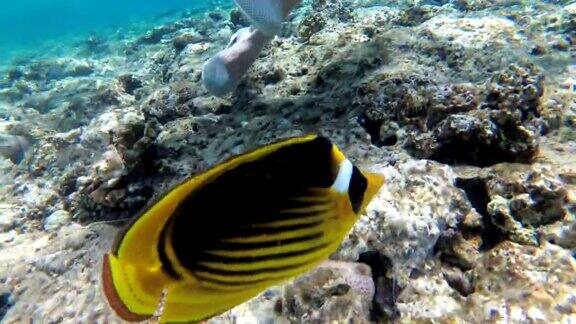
{"x": 375, "y": 183}
{"x": 192, "y": 302}
{"x": 133, "y": 292}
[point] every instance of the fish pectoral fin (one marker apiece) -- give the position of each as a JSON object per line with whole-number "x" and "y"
{"x": 134, "y": 292}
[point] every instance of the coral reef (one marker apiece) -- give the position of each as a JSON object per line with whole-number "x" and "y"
{"x": 526, "y": 200}
{"x": 463, "y": 124}
{"x": 467, "y": 107}
{"x": 509, "y": 289}
{"x": 335, "y": 291}
{"x": 407, "y": 239}
{"x": 311, "y": 24}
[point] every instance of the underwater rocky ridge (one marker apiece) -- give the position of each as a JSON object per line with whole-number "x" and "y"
{"x": 468, "y": 107}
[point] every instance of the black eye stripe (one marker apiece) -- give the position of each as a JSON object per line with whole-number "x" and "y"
{"x": 357, "y": 188}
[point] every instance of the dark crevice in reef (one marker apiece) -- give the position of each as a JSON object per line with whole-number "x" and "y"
{"x": 508, "y": 143}
{"x": 449, "y": 246}
{"x": 460, "y": 282}
{"x": 472, "y": 153}
{"x": 5, "y": 304}
{"x": 384, "y": 308}
{"x": 477, "y": 194}
{"x": 475, "y": 189}
{"x": 372, "y": 120}
{"x": 388, "y": 140}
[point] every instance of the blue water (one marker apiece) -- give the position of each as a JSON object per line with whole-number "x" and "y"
{"x": 27, "y": 25}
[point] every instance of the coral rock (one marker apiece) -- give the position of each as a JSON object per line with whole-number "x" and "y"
{"x": 510, "y": 276}
{"x": 310, "y": 25}
{"x": 181, "y": 41}
{"x": 523, "y": 199}
{"x": 13, "y": 147}
{"x": 335, "y": 291}
{"x": 129, "y": 83}
{"x": 408, "y": 216}
{"x": 56, "y": 220}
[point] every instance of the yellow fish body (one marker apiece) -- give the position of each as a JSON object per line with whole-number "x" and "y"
{"x": 225, "y": 235}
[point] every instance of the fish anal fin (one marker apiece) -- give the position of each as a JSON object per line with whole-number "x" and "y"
{"x": 132, "y": 291}
{"x": 193, "y": 302}
{"x": 114, "y": 299}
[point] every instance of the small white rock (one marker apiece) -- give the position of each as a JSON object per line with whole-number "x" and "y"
{"x": 7, "y": 219}
{"x": 56, "y": 220}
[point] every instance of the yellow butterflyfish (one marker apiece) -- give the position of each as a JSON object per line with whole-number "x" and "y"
{"x": 222, "y": 237}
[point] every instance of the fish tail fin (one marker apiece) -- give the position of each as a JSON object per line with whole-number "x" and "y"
{"x": 133, "y": 292}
